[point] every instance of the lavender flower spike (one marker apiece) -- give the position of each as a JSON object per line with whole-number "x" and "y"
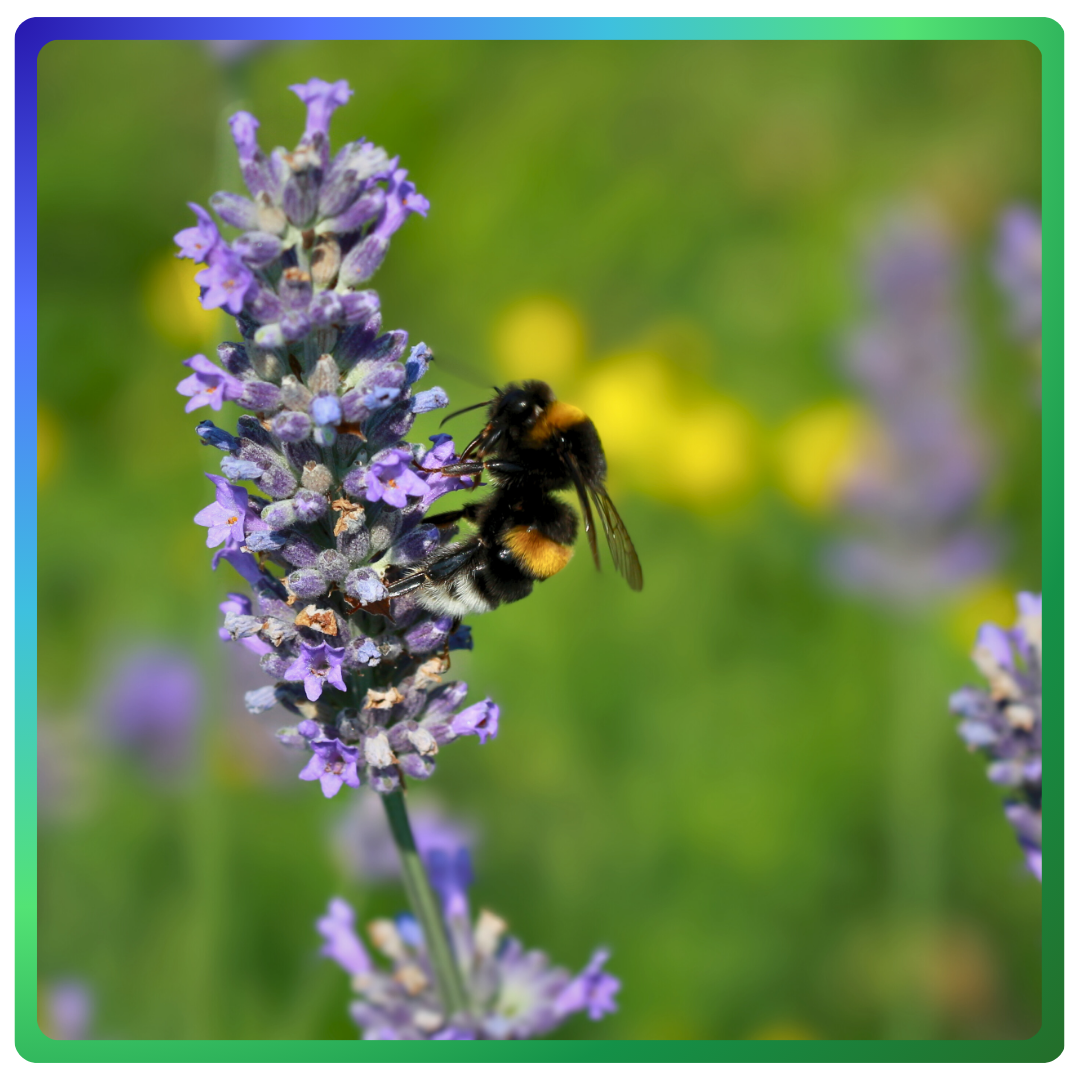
{"x": 1005, "y": 721}
{"x": 512, "y": 994}
{"x": 912, "y": 503}
{"x": 320, "y": 488}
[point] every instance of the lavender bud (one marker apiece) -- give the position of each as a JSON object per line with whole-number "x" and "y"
{"x": 271, "y": 218}
{"x": 415, "y": 544}
{"x": 300, "y": 198}
{"x": 316, "y": 477}
{"x": 325, "y": 261}
{"x": 362, "y": 653}
{"x": 364, "y": 259}
{"x": 265, "y": 306}
{"x": 385, "y": 528}
{"x": 362, "y": 307}
{"x": 300, "y": 551}
{"x": 271, "y": 336}
{"x": 352, "y": 406}
{"x": 275, "y": 478}
{"x": 353, "y": 165}
{"x": 428, "y": 400}
{"x": 354, "y": 542}
{"x": 310, "y": 505}
{"x": 377, "y": 752}
{"x": 251, "y": 429}
{"x": 325, "y": 377}
{"x": 265, "y": 541}
{"x": 363, "y": 210}
{"x": 418, "y": 362}
{"x": 257, "y": 249}
{"x": 280, "y": 515}
{"x": 307, "y": 583}
{"x": 235, "y": 210}
{"x": 291, "y": 427}
{"x": 326, "y": 410}
{"x": 428, "y": 636}
{"x": 265, "y": 363}
{"x": 294, "y": 288}
{"x": 416, "y": 767}
{"x": 236, "y": 470}
{"x": 366, "y": 586}
{"x": 261, "y": 396}
{"x": 234, "y": 358}
{"x": 294, "y": 394}
{"x": 384, "y": 781}
{"x": 212, "y": 435}
{"x": 332, "y": 565}
{"x": 275, "y": 665}
{"x": 325, "y": 309}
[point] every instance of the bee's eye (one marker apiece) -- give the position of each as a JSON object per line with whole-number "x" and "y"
{"x": 517, "y": 405}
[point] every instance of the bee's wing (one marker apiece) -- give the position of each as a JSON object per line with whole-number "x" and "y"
{"x": 586, "y": 510}
{"x": 622, "y": 547}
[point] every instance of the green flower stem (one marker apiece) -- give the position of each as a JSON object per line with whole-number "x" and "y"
{"x": 425, "y": 907}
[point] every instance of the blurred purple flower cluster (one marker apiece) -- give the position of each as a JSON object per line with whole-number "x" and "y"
{"x": 341, "y": 493}
{"x": 1005, "y": 721}
{"x": 513, "y": 993}
{"x": 1017, "y": 265}
{"x": 912, "y": 497}
{"x": 150, "y": 704}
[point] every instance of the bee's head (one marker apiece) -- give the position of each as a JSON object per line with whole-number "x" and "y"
{"x": 517, "y": 408}
{"x": 512, "y": 414}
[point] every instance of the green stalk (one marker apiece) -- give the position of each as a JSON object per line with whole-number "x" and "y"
{"x": 425, "y": 907}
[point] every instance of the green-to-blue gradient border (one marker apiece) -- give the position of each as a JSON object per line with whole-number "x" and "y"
{"x": 33, "y": 34}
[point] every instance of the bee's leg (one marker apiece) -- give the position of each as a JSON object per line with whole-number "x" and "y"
{"x": 498, "y": 467}
{"x": 445, "y": 655}
{"x": 439, "y": 569}
{"x": 461, "y": 468}
{"x": 449, "y": 517}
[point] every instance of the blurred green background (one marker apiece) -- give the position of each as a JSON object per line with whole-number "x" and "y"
{"x": 742, "y": 780}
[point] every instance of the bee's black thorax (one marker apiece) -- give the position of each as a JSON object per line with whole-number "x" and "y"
{"x": 531, "y": 446}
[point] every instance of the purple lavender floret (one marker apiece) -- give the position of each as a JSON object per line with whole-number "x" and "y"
{"x": 1004, "y": 722}
{"x": 208, "y": 385}
{"x": 513, "y": 993}
{"x": 198, "y": 241}
{"x": 913, "y": 499}
{"x": 390, "y": 477}
{"x": 320, "y": 492}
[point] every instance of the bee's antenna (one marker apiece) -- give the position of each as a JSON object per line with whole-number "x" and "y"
{"x": 468, "y": 408}
{"x": 457, "y": 367}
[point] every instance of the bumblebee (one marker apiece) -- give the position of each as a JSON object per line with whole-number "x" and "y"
{"x": 531, "y": 447}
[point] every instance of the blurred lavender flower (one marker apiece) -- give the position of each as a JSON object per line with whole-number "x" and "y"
{"x": 366, "y": 850}
{"x": 342, "y": 494}
{"x": 70, "y": 1008}
{"x": 1017, "y": 265}
{"x": 912, "y": 496}
{"x": 151, "y": 705}
{"x": 513, "y": 994}
{"x": 1005, "y": 722}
